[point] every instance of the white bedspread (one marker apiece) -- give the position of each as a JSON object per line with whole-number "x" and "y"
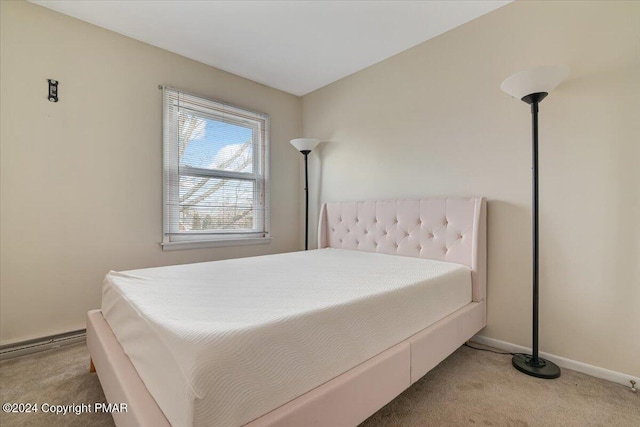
{"x": 221, "y": 343}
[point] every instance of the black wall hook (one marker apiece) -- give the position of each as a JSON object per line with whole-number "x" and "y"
{"x": 53, "y": 90}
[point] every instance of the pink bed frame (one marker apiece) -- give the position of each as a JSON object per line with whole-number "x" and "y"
{"x": 442, "y": 229}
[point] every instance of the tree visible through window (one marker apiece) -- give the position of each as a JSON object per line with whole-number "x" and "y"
{"x": 214, "y": 170}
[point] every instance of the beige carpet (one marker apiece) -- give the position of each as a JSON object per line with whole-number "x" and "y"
{"x": 470, "y": 388}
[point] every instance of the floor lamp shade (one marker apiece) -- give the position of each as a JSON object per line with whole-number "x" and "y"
{"x": 532, "y": 86}
{"x": 535, "y": 80}
{"x": 305, "y": 145}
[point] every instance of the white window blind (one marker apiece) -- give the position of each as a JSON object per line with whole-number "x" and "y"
{"x": 215, "y": 170}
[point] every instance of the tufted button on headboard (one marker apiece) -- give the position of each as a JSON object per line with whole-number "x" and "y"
{"x": 449, "y": 229}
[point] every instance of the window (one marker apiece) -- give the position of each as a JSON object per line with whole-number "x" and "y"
{"x": 215, "y": 173}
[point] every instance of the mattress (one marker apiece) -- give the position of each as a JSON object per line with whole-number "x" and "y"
{"x": 222, "y": 343}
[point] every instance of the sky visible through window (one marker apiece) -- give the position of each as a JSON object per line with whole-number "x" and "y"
{"x": 213, "y": 146}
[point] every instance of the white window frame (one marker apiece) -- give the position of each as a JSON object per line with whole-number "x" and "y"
{"x": 173, "y": 238}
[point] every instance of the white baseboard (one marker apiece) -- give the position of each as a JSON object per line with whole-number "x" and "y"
{"x": 594, "y": 371}
{"x": 9, "y": 351}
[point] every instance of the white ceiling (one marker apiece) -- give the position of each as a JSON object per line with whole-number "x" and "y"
{"x": 294, "y": 46}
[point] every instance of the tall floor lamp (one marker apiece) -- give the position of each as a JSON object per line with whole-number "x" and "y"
{"x": 305, "y": 145}
{"x": 532, "y": 86}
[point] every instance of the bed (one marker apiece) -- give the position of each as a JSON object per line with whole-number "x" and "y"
{"x": 323, "y": 337}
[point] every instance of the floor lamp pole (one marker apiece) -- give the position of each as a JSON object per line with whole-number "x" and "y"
{"x": 534, "y": 365}
{"x": 536, "y": 269}
{"x": 306, "y": 200}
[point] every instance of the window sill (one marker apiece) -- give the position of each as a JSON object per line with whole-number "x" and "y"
{"x": 194, "y": 244}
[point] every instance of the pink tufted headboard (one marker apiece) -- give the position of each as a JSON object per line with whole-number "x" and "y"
{"x": 449, "y": 229}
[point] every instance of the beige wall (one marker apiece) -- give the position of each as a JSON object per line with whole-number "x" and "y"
{"x": 82, "y": 179}
{"x": 432, "y": 121}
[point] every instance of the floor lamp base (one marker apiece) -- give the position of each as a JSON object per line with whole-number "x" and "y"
{"x": 544, "y": 369}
